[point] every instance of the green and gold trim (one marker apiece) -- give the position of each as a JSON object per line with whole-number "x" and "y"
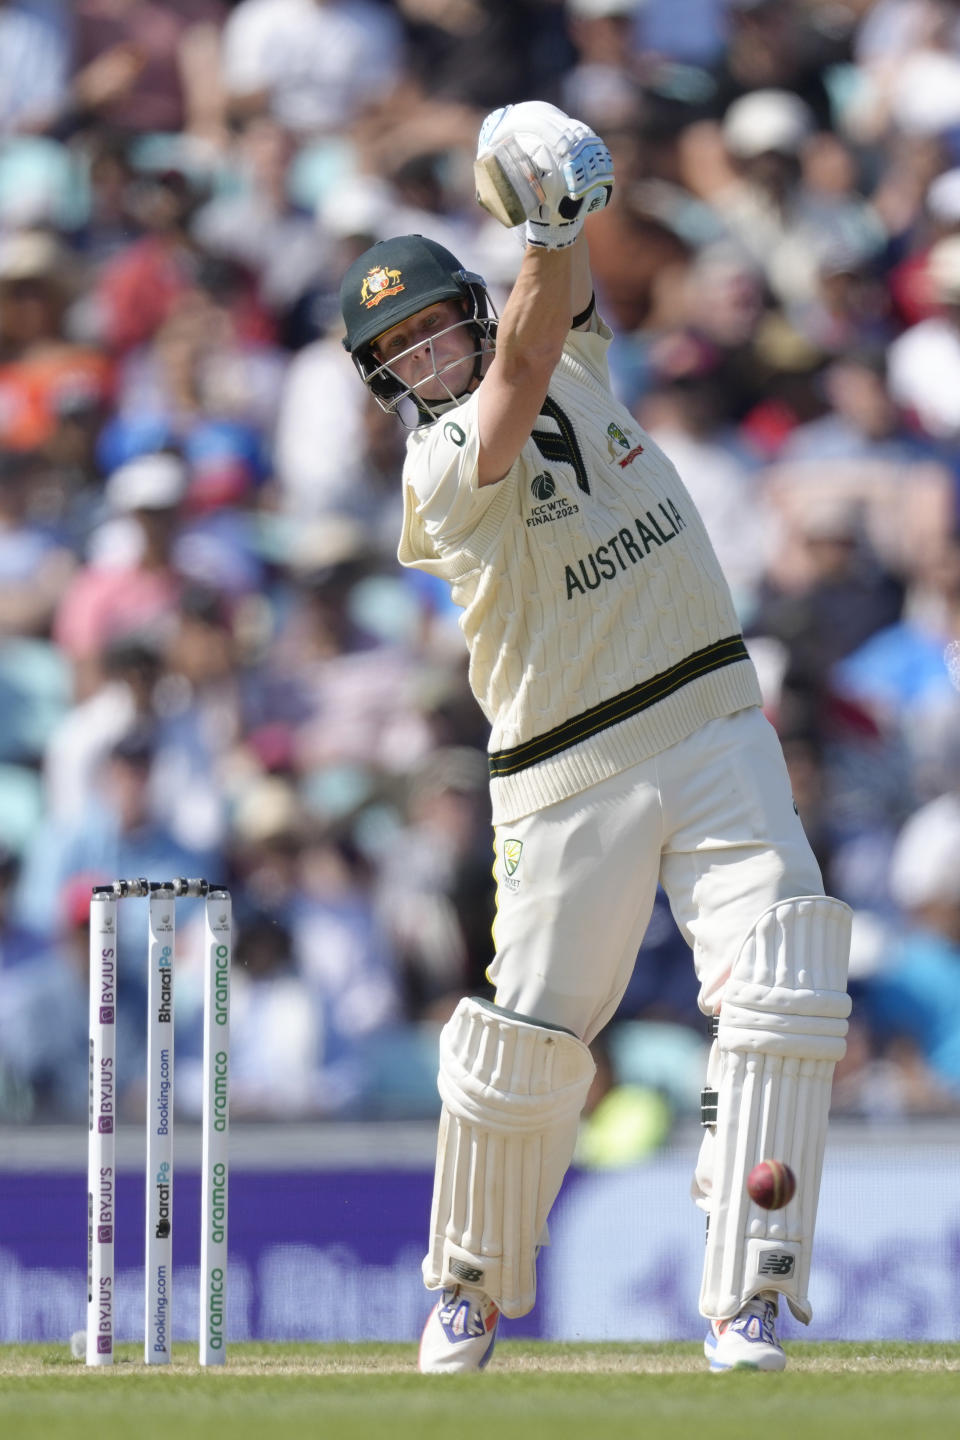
{"x": 717, "y": 656}
{"x": 563, "y": 448}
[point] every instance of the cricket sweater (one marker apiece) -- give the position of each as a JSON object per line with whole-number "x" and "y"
{"x": 599, "y": 624}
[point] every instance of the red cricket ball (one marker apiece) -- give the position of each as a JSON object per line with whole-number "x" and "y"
{"x": 771, "y": 1184}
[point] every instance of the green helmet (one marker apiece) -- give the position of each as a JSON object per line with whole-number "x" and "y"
{"x": 393, "y": 280}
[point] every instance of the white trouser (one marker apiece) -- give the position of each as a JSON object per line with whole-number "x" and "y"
{"x": 711, "y": 818}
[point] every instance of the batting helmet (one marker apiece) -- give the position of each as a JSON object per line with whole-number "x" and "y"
{"x": 393, "y": 280}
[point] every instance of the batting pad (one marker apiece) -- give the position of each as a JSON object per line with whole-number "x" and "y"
{"x": 512, "y": 1093}
{"x": 783, "y": 1022}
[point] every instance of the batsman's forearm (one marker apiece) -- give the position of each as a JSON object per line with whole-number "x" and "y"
{"x": 536, "y": 317}
{"x": 530, "y": 339}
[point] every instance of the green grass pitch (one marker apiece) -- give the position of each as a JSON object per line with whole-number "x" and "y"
{"x": 531, "y": 1392}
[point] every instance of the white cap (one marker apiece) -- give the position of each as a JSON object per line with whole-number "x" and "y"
{"x": 943, "y": 197}
{"x": 363, "y": 205}
{"x": 926, "y": 93}
{"x": 266, "y": 808}
{"x": 601, "y": 9}
{"x": 31, "y": 254}
{"x": 766, "y": 120}
{"x": 148, "y": 482}
{"x": 943, "y": 269}
{"x": 925, "y": 865}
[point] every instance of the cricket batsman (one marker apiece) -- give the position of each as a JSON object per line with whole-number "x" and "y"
{"x": 627, "y": 748}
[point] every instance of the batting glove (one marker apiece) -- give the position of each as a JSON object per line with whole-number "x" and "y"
{"x": 538, "y": 167}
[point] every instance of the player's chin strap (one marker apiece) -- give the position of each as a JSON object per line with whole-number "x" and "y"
{"x": 781, "y": 1031}
{"x": 426, "y": 416}
{"x": 428, "y": 411}
{"x": 512, "y": 1092}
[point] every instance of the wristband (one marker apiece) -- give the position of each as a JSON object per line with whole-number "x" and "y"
{"x": 584, "y": 315}
{"x": 553, "y": 237}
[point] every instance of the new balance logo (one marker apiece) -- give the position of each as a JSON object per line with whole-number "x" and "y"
{"x": 467, "y": 1274}
{"x": 774, "y": 1264}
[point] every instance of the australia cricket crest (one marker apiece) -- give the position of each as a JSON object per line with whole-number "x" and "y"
{"x": 512, "y": 850}
{"x": 378, "y": 283}
{"x": 616, "y": 437}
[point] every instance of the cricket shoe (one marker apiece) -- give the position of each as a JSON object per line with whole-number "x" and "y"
{"x": 748, "y": 1341}
{"x": 460, "y": 1333}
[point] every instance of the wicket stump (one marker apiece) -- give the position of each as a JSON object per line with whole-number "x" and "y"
{"x": 101, "y": 1154}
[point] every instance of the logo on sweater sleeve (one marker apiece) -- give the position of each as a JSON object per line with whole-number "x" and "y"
{"x": 616, "y": 437}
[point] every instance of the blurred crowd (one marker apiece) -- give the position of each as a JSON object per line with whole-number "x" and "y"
{"x": 211, "y": 662}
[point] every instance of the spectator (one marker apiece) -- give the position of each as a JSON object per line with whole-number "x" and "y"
{"x": 769, "y": 203}
{"x": 861, "y": 454}
{"x": 436, "y": 888}
{"x": 202, "y": 709}
{"x": 623, "y": 1123}
{"x": 118, "y": 834}
{"x": 18, "y": 945}
{"x": 131, "y": 583}
{"x": 469, "y": 56}
{"x": 925, "y": 359}
{"x": 932, "y": 218}
{"x": 261, "y": 226}
{"x": 906, "y": 675}
{"x": 604, "y": 86}
{"x": 358, "y": 690}
{"x": 906, "y": 665}
{"x": 774, "y": 44}
{"x": 347, "y": 962}
{"x": 832, "y": 598}
{"x": 131, "y": 667}
{"x": 138, "y": 287}
{"x": 276, "y": 1040}
{"x": 861, "y": 421}
{"x": 315, "y": 65}
{"x": 324, "y": 470}
{"x": 112, "y": 221}
{"x": 151, "y": 67}
{"x": 40, "y": 367}
{"x": 313, "y": 477}
{"x": 212, "y": 357}
{"x": 34, "y": 64}
{"x": 909, "y": 1000}
{"x": 44, "y": 1034}
{"x": 684, "y": 411}
{"x": 35, "y": 568}
{"x": 906, "y": 56}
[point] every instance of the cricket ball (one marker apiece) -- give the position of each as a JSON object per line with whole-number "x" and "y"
{"x": 771, "y": 1184}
